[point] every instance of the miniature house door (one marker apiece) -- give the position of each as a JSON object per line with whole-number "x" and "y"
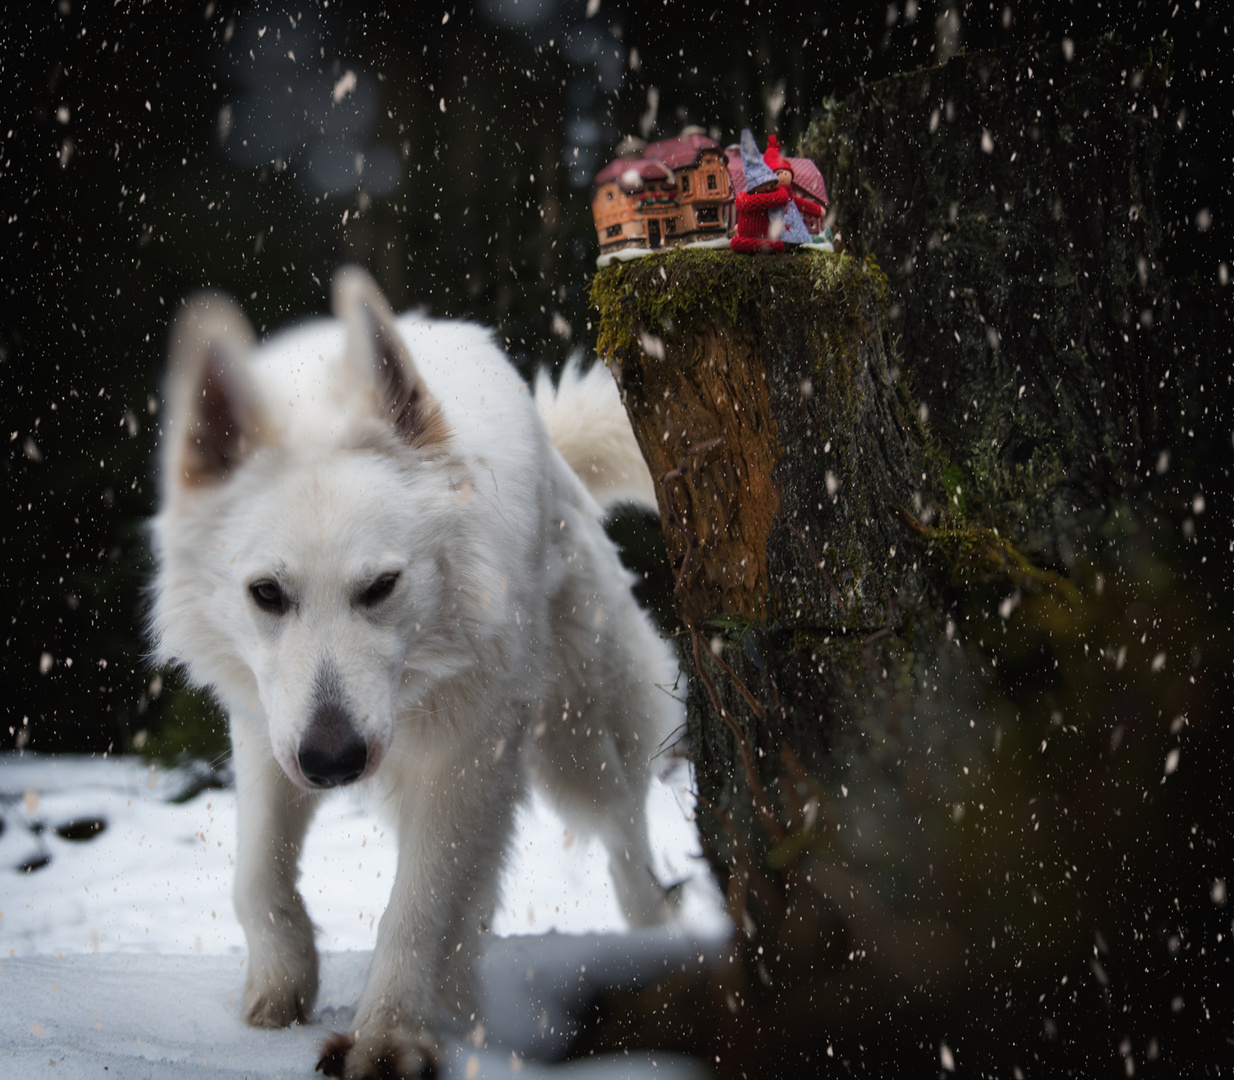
{"x": 653, "y": 233}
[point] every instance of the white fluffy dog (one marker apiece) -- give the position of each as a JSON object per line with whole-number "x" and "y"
{"x": 373, "y": 548}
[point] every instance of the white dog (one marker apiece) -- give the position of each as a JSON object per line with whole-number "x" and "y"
{"x": 372, "y": 550}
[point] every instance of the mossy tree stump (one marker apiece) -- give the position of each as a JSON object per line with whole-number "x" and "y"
{"x": 787, "y": 464}
{"x": 943, "y": 673}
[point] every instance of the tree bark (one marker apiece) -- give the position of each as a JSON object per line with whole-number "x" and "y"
{"x": 1012, "y": 200}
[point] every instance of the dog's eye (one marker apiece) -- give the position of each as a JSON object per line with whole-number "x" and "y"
{"x": 379, "y": 590}
{"x": 268, "y": 596}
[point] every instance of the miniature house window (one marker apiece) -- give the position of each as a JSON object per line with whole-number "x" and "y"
{"x": 670, "y": 226}
{"x": 711, "y": 181}
{"x": 614, "y": 230}
{"x": 709, "y": 214}
{"x": 609, "y": 195}
{"x": 685, "y": 183}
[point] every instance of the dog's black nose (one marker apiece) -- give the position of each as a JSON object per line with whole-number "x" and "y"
{"x": 331, "y": 750}
{"x": 331, "y": 754}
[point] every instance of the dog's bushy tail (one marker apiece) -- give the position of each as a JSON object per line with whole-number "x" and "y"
{"x": 588, "y": 425}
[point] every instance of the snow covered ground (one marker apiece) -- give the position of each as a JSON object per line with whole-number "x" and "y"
{"x": 119, "y": 946}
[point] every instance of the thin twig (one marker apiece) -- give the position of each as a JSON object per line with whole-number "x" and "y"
{"x": 672, "y": 517}
{"x": 753, "y": 881}
{"x": 766, "y": 815}
{"x": 909, "y": 520}
{"x": 742, "y": 689}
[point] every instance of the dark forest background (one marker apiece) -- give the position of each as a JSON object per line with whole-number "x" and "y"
{"x": 149, "y": 149}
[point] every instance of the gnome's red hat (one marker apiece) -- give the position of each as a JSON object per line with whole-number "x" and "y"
{"x": 774, "y": 159}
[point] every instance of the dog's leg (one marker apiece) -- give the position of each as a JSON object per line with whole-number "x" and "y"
{"x": 585, "y": 777}
{"x": 639, "y": 713}
{"x": 453, "y": 815}
{"x": 272, "y": 817}
{"x": 595, "y": 760}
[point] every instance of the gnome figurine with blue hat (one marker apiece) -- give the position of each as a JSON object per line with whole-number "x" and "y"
{"x": 795, "y": 229}
{"x": 764, "y": 223}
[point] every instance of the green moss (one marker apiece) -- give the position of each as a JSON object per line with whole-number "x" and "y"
{"x": 953, "y": 487}
{"x": 677, "y": 293}
{"x": 733, "y": 627}
{"x": 975, "y": 555}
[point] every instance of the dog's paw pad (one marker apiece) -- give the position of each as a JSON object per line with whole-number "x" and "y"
{"x": 382, "y": 1057}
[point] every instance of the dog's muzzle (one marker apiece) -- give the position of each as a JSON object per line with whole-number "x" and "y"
{"x": 332, "y": 752}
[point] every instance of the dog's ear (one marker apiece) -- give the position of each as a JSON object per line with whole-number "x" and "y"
{"x": 376, "y": 353}
{"x": 213, "y": 422}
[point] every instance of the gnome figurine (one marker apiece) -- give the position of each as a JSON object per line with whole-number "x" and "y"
{"x": 795, "y": 231}
{"x": 783, "y": 168}
{"x": 761, "y": 219}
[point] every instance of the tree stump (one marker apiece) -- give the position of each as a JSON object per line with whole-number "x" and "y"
{"x": 786, "y": 464}
{"x": 948, "y": 632}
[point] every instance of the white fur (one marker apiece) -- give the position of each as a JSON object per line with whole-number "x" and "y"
{"x": 586, "y": 422}
{"x": 509, "y": 651}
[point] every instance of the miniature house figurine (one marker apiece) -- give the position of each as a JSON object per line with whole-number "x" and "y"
{"x": 635, "y": 206}
{"x": 705, "y": 190}
{"x": 677, "y": 192}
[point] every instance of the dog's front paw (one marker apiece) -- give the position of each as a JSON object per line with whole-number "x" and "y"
{"x": 282, "y": 990}
{"x": 275, "y": 1006}
{"x": 391, "y": 1055}
{"x": 282, "y": 969}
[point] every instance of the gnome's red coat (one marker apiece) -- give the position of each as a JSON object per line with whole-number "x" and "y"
{"x": 753, "y": 219}
{"x": 807, "y": 207}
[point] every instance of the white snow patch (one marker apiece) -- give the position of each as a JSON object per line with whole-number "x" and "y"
{"x": 123, "y": 949}
{"x": 158, "y": 878}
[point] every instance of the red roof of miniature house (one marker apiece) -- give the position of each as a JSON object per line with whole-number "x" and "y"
{"x": 807, "y": 175}
{"x": 643, "y": 168}
{"x": 681, "y": 150}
